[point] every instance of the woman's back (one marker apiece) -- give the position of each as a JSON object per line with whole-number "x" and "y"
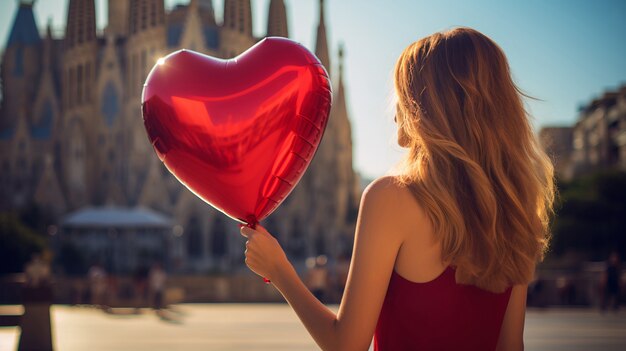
{"x": 439, "y": 315}
{"x": 424, "y": 308}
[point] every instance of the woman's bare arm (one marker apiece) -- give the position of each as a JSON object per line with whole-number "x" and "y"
{"x": 377, "y": 241}
{"x": 512, "y": 331}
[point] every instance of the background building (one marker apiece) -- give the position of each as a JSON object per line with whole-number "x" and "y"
{"x": 596, "y": 142}
{"x": 72, "y": 136}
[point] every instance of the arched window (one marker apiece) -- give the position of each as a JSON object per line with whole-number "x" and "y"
{"x": 242, "y": 27}
{"x": 71, "y": 99}
{"x": 153, "y": 14}
{"x": 79, "y": 85}
{"x": 218, "y": 238}
{"x": 42, "y": 127}
{"x": 194, "y": 237}
{"x": 296, "y": 243}
{"x": 76, "y": 153}
{"x": 110, "y": 104}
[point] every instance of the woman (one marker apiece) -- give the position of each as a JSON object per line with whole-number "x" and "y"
{"x": 443, "y": 251}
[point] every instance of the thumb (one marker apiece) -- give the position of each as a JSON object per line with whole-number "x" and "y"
{"x": 246, "y": 231}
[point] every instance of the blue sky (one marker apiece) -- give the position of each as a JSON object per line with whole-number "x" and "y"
{"x": 564, "y": 52}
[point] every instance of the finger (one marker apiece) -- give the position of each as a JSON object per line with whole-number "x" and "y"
{"x": 247, "y": 232}
{"x": 249, "y": 251}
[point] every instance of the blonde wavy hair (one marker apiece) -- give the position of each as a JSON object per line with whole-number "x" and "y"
{"x": 474, "y": 162}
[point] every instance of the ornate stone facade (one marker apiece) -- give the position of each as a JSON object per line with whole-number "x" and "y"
{"x": 71, "y": 131}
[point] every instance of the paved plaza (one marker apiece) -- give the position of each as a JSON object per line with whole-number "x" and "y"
{"x": 250, "y": 327}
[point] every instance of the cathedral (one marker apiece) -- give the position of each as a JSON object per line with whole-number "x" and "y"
{"x": 72, "y": 135}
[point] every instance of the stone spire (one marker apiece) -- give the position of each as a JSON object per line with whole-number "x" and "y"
{"x": 24, "y": 30}
{"x": 47, "y": 47}
{"x": 80, "y": 54}
{"x": 339, "y": 100}
{"x": 146, "y": 14}
{"x": 321, "y": 45}
{"x": 81, "y": 23}
{"x": 118, "y": 18}
{"x": 339, "y": 112}
{"x": 21, "y": 65}
{"x": 277, "y": 20}
{"x": 348, "y": 199}
{"x": 238, "y": 16}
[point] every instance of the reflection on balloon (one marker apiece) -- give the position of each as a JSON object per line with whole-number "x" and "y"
{"x": 238, "y": 133}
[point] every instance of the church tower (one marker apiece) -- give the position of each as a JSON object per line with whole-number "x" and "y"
{"x": 321, "y": 178}
{"x": 331, "y": 182}
{"x": 237, "y": 28}
{"x": 80, "y": 48}
{"x": 277, "y": 19}
{"x": 44, "y": 123}
{"x": 21, "y": 65}
{"x": 117, "y": 24}
{"x": 321, "y": 42}
{"x": 145, "y": 44}
{"x": 20, "y": 72}
{"x": 238, "y": 16}
{"x": 348, "y": 199}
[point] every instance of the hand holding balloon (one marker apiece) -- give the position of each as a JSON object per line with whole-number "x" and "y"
{"x": 264, "y": 255}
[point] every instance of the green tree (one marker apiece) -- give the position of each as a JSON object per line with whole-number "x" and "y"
{"x": 591, "y": 216}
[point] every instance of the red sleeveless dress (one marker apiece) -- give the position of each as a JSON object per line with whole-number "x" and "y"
{"x": 439, "y": 315}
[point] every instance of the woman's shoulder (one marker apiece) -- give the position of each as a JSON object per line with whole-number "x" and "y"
{"x": 388, "y": 185}
{"x": 389, "y": 191}
{"x": 385, "y": 186}
{"x": 389, "y": 203}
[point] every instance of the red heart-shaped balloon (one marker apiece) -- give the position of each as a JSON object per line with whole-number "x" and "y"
{"x": 238, "y": 133}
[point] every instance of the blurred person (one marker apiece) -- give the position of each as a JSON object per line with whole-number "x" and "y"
{"x": 37, "y": 272}
{"x": 317, "y": 276}
{"x": 566, "y": 290}
{"x": 77, "y": 291}
{"x": 113, "y": 289}
{"x": 140, "y": 285}
{"x": 611, "y": 283}
{"x": 157, "y": 279}
{"x": 97, "y": 277}
{"x": 445, "y": 248}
